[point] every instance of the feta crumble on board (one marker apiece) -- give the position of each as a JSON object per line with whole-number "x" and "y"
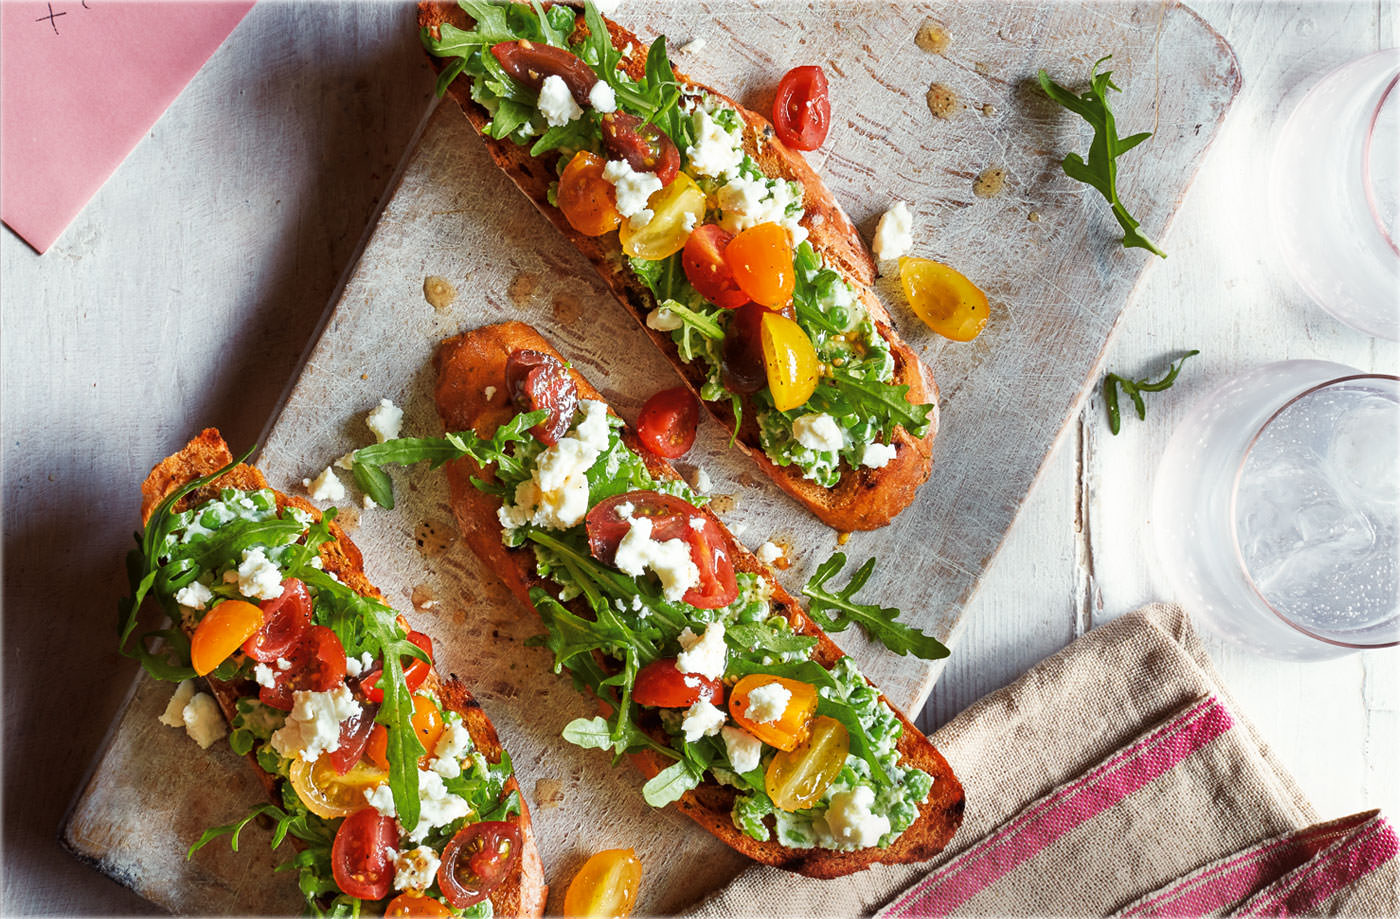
{"x": 700, "y": 480}
{"x": 769, "y": 552}
{"x": 768, "y": 702}
{"x": 313, "y": 725}
{"x": 173, "y": 714}
{"x": 703, "y": 654}
{"x": 633, "y": 190}
{"x": 894, "y": 234}
{"x": 557, "y": 103}
{"x": 743, "y": 748}
{"x": 257, "y": 576}
{"x": 203, "y": 720}
{"x": 702, "y": 720}
{"x": 694, "y": 46}
{"x": 385, "y": 420}
{"x": 325, "y": 487}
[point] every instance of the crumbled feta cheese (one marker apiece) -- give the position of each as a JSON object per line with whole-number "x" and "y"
{"x": 894, "y": 234}
{"x": 455, "y": 741}
{"x": 717, "y": 151}
{"x": 352, "y": 666}
{"x": 663, "y": 320}
{"x": 624, "y": 510}
{"x": 694, "y": 46}
{"x": 768, "y": 702}
{"x": 345, "y": 461}
{"x": 557, "y": 103}
{"x": 313, "y": 725}
{"x": 194, "y": 595}
{"x": 850, "y": 822}
{"x": 489, "y": 393}
{"x": 416, "y": 869}
{"x": 702, "y": 720}
{"x": 325, "y": 487}
{"x": 743, "y": 749}
{"x": 439, "y": 806}
{"x": 381, "y": 798}
{"x": 769, "y": 552}
{"x": 203, "y": 720}
{"x": 258, "y": 577}
{"x": 317, "y": 563}
{"x": 746, "y": 202}
{"x": 367, "y": 502}
{"x": 700, "y": 480}
{"x": 634, "y": 189}
{"x": 602, "y": 97}
{"x": 689, "y": 221}
{"x": 818, "y": 431}
{"x": 556, "y": 494}
{"x": 696, "y": 523}
{"x": 447, "y": 768}
{"x": 385, "y": 420}
{"x": 283, "y": 664}
{"x": 173, "y": 716}
{"x": 670, "y": 559}
{"x": 607, "y": 7}
{"x": 877, "y": 455}
{"x": 263, "y": 676}
{"x": 706, "y": 654}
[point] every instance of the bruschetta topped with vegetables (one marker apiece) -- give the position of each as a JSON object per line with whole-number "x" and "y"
{"x": 726, "y": 694}
{"x": 714, "y": 232}
{"x": 390, "y": 780}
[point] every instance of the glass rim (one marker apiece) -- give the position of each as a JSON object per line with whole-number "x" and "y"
{"x": 1366, "y": 182}
{"x": 1234, "y": 503}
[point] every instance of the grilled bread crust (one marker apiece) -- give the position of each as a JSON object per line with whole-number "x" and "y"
{"x": 523, "y": 895}
{"x": 864, "y": 498}
{"x": 467, "y": 365}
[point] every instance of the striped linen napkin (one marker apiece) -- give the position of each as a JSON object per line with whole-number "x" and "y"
{"x": 1113, "y": 779}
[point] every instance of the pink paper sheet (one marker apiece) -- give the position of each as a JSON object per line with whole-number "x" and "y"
{"x": 81, "y": 82}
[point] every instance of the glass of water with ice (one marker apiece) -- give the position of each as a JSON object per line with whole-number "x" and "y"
{"x": 1276, "y": 510}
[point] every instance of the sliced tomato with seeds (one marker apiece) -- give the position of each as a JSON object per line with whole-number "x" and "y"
{"x": 538, "y": 381}
{"x": 668, "y": 421}
{"x": 671, "y": 519}
{"x": 354, "y": 737}
{"x": 660, "y": 685}
{"x": 644, "y": 146}
{"x": 284, "y": 620}
{"x": 706, "y": 269}
{"x": 802, "y": 108}
{"x": 710, "y": 550}
{"x": 415, "y": 904}
{"x": 530, "y": 63}
{"x": 317, "y": 665}
{"x": 477, "y": 860}
{"x": 360, "y": 862}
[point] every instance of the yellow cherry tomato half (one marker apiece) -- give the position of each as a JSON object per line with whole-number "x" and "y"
{"x": 665, "y": 234}
{"x": 427, "y": 722}
{"x": 946, "y": 301}
{"x": 221, "y": 632}
{"x": 328, "y": 794}
{"x": 416, "y": 905}
{"x": 606, "y": 885}
{"x": 790, "y": 361}
{"x": 788, "y": 730}
{"x": 587, "y": 200}
{"x": 797, "y": 778}
{"x": 760, "y": 259}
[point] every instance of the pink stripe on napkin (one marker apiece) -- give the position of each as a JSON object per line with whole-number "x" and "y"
{"x": 1040, "y": 826}
{"x": 1342, "y": 865}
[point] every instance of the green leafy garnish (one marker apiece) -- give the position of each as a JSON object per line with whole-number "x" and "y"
{"x": 1101, "y": 171}
{"x": 835, "y": 610}
{"x": 1112, "y": 382}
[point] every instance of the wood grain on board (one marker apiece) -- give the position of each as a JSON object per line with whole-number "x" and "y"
{"x": 1045, "y": 252}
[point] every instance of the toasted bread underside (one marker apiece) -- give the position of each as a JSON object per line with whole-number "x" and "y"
{"x": 207, "y": 453}
{"x": 864, "y": 499}
{"x": 467, "y": 365}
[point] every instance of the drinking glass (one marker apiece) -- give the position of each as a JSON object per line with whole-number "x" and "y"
{"x": 1335, "y": 193}
{"x": 1276, "y": 510}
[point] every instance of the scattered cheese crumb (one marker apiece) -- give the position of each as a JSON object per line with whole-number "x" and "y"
{"x": 769, "y": 552}
{"x": 694, "y": 46}
{"x": 768, "y": 702}
{"x": 702, "y": 720}
{"x": 385, "y": 420}
{"x": 703, "y": 654}
{"x": 203, "y": 720}
{"x": 602, "y": 97}
{"x": 894, "y": 234}
{"x": 557, "y": 103}
{"x": 195, "y": 595}
{"x": 172, "y": 716}
{"x": 325, "y": 487}
{"x": 489, "y": 393}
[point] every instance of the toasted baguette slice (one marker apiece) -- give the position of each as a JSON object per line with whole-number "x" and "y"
{"x": 522, "y": 895}
{"x": 470, "y": 363}
{"x": 864, "y": 499}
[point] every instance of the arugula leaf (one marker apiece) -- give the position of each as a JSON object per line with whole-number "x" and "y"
{"x": 670, "y": 783}
{"x": 233, "y": 829}
{"x": 1135, "y": 389}
{"x": 1101, "y": 171}
{"x": 835, "y": 610}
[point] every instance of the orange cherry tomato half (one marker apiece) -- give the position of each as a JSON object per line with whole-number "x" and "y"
{"x": 946, "y": 301}
{"x": 760, "y": 259}
{"x": 708, "y": 272}
{"x": 530, "y": 63}
{"x": 221, "y": 632}
{"x": 606, "y": 885}
{"x": 284, "y": 618}
{"x": 660, "y": 685}
{"x": 359, "y": 860}
{"x": 667, "y": 423}
{"x": 789, "y": 360}
{"x": 415, "y": 671}
{"x": 802, "y": 108}
{"x": 427, "y": 722}
{"x": 788, "y": 729}
{"x": 477, "y": 860}
{"x": 416, "y": 906}
{"x": 377, "y": 749}
{"x": 587, "y": 200}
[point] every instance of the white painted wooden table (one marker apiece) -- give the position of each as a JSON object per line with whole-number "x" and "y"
{"x": 186, "y": 291}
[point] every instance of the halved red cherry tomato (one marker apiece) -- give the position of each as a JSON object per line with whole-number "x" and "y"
{"x": 671, "y": 519}
{"x": 416, "y": 906}
{"x": 802, "y": 108}
{"x": 586, "y": 199}
{"x": 661, "y": 685}
{"x": 414, "y": 672}
{"x": 536, "y": 381}
{"x": 284, "y": 618}
{"x": 761, "y": 261}
{"x": 706, "y": 269}
{"x": 354, "y": 736}
{"x": 221, "y": 632}
{"x": 667, "y": 423}
{"x": 318, "y": 665}
{"x": 529, "y": 63}
{"x": 477, "y": 860}
{"x": 359, "y": 860}
{"x": 644, "y": 146}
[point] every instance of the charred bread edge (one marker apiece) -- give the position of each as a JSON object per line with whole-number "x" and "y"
{"x": 865, "y": 498}
{"x": 474, "y": 360}
{"x": 207, "y": 453}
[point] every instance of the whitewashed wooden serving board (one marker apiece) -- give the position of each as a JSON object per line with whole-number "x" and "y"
{"x": 1044, "y": 251}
